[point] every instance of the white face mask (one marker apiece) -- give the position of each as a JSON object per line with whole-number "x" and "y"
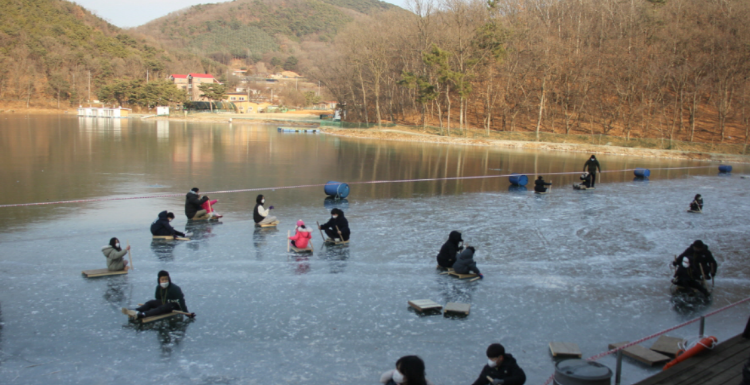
{"x": 262, "y": 201}
{"x": 398, "y": 377}
{"x": 164, "y": 284}
{"x": 117, "y": 245}
{"x": 334, "y": 216}
{"x": 491, "y": 363}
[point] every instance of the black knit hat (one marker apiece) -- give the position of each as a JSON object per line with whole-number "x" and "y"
{"x": 163, "y": 273}
{"x": 194, "y": 189}
{"x": 699, "y": 245}
{"x": 495, "y": 350}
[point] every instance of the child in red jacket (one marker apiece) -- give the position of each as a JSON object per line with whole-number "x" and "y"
{"x": 302, "y": 236}
{"x": 209, "y": 207}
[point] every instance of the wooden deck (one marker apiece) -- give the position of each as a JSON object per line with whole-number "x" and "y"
{"x": 723, "y": 365}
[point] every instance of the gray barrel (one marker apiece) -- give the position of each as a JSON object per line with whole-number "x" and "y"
{"x": 582, "y": 372}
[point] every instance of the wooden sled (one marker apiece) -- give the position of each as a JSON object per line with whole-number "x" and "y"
{"x": 470, "y": 277}
{"x": 695, "y": 211}
{"x": 423, "y": 305}
{"x": 267, "y": 225}
{"x": 146, "y": 320}
{"x": 444, "y": 270}
{"x": 102, "y": 273}
{"x": 564, "y": 349}
{"x": 455, "y": 308}
{"x": 170, "y": 238}
{"x": 581, "y": 187}
{"x": 540, "y": 193}
{"x": 298, "y": 250}
{"x": 331, "y": 242}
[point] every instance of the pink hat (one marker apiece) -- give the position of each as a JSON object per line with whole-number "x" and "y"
{"x": 300, "y": 223}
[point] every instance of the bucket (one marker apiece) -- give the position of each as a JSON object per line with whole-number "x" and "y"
{"x": 336, "y": 189}
{"x": 582, "y": 372}
{"x": 518, "y": 179}
{"x": 725, "y": 168}
{"x": 642, "y": 172}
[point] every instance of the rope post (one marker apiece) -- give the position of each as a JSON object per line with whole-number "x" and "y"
{"x": 618, "y": 369}
{"x": 703, "y": 326}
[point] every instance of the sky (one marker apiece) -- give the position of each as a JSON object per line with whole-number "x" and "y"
{"x": 133, "y": 13}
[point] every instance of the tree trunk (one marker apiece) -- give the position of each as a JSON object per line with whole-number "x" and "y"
{"x": 541, "y": 108}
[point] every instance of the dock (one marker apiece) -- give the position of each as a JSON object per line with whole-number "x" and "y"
{"x": 722, "y": 365}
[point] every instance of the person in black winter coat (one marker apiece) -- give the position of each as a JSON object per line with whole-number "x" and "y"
{"x": 688, "y": 276}
{"x": 193, "y": 205}
{"x": 701, "y": 257}
{"x": 592, "y": 165}
{"x": 168, "y": 297}
{"x": 336, "y": 224}
{"x": 539, "y": 185}
{"x": 449, "y": 251}
{"x": 161, "y": 226}
{"x": 697, "y": 203}
{"x": 502, "y": 368}
{"x": 465, "y": 263}
{"x": 260, "y": 214}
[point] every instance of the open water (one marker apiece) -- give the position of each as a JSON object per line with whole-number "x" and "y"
{"x": 585, "y": 267}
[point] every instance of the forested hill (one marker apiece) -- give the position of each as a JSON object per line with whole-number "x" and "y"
{"x": 259, "y": 30}
{"x": 51, "y": 47}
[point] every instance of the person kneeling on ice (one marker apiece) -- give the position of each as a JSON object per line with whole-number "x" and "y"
{"x": 409, "y": 371}
{"x": 161, "y": 226}
{"x": 336, "y": 224}
{"x": 194, "y": 205}
{"x": 115, "y": 255}
{"x": 539, "y": 184}
{"x": 449, "y": 251}
{"x": 697, "y": 203}
{"x": 168, "y": 297}
{"x": 687, "y": 276}
{"x": 501, "y": 368}
{"x": 466, "y": 264}
{"x": 260, "y": 214}
{"x": 704, "y": 263}
{"x": 301, "y": 237}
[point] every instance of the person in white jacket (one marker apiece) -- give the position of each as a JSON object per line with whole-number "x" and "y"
{"x": 260, "y": 214}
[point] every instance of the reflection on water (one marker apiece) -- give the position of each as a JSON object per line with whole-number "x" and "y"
{"x": 115, "y": 293}
{"x": 336, "y": 256}
{"x": 164, "y": 249}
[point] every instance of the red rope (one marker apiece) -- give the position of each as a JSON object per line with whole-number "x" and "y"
{"x": 308, "y": 185}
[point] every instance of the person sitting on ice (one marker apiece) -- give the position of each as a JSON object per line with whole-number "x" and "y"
{"x": 466, "y": 264}
{"x": 701, "y": 257}
{"x": 161, "y": 226}
{"x": 260, "y": 214}
{"x": 449, "y": 251}
{"x": 115, "y": 255}
{"x": 168, "y": 297}
{"x": 337, "y": 224}
{"x": 697, "y": 203}
{"x": 586, "y": 179}
{"x": 687, "y": 275}
{"x": 539, "y": 185}
{"x": 301, "y": 237}
{"x": 501, "y": 368}
{"x": 194, "y": 205}
{"x": 209, "y": 207}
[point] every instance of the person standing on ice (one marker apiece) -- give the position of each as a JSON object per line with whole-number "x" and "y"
{"x": 260, "y": 214}
{"x": 701, "y": 257}
{"x": 168, "y": 297}
{"x": 409, "y": 371}
{"x": 336, "y": 224}
{"x": 591, "y": 166}
{"x": 502, "y": 368}
{"x": 466, "y": 264}
{"x": 449, "y": 251}
{"x": 194, "y": 206}
{"x": 115, "y": 255}
{"x": 540, "y": 185}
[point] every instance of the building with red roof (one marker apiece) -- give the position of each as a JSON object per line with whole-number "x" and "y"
{"x": 191, "y": 82}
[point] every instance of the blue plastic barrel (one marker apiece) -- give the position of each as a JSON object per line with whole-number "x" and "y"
{"x": 518, "y": 179}
{"x": 336, "y": 189}
{"x": 725, "y": 168}
{"x": 642, "y": 172}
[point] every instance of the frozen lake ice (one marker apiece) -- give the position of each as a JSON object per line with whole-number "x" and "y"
{"x": 589, "y": 267}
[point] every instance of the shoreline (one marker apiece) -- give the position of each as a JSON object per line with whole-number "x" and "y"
{"x": 417, "y": 137}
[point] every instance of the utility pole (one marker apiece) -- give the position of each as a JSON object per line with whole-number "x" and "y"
{"x": 89, "y": 98}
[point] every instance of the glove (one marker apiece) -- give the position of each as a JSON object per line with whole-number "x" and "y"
{"x": 270, "y": 208}
{"x": 481, "y": 276}
{"x": 497, "y": 381}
